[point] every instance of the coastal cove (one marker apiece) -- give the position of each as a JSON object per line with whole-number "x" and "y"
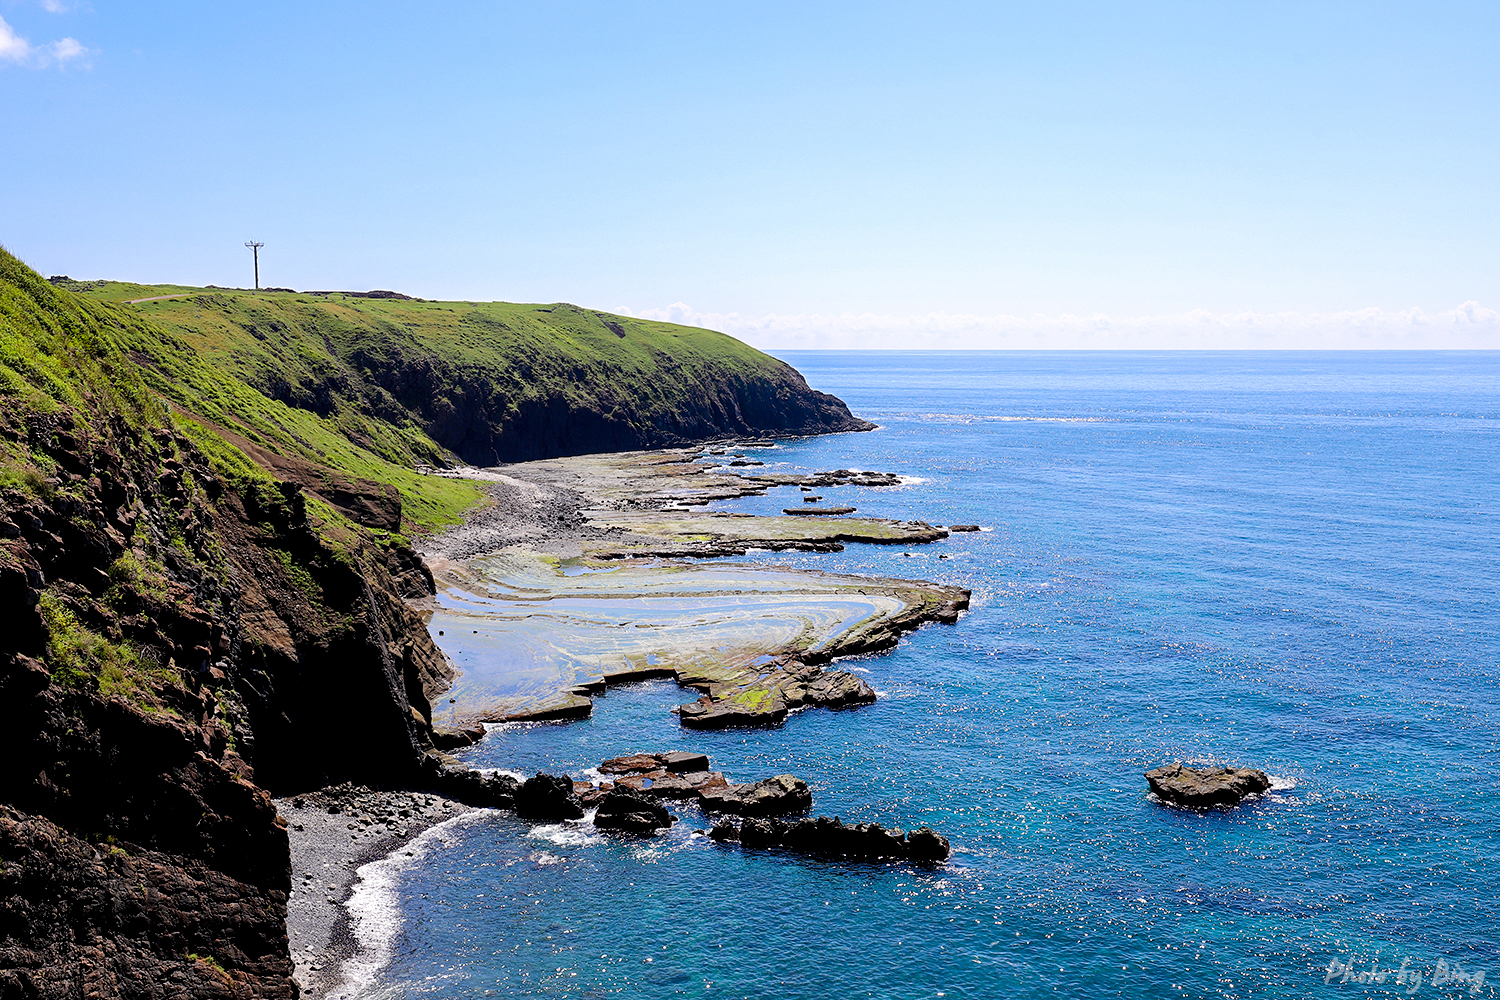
{"x": 1273, "y": 560}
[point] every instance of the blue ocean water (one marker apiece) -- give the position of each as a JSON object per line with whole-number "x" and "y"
{"x": 1281, "y": 560}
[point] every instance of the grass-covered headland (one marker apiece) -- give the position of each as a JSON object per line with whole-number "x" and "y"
{"x": 206, "y": 503}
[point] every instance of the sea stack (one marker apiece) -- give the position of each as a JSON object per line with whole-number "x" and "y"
{"x": 1205, "y": 787}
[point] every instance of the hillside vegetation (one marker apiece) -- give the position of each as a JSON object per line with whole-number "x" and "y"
{"x": 205, "y": 567}
{"x": 414, "y": 381}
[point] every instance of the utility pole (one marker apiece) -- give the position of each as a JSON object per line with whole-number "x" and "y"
{"x": 255, "y": 249}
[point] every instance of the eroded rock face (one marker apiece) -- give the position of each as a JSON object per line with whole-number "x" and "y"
{"x": 548, "y": 797}
{"x": 1207, "y": 787}
{"x": 622, "y": 810}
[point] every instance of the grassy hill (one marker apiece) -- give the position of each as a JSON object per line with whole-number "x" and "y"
{"x": 491, "y": 382}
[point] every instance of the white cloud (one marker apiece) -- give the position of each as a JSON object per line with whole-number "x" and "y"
{"x": 67, "y": 48}
{"x": 14, "y": 48}
{"x": 1469, "y": 326}
{"x": 54, "y": 6}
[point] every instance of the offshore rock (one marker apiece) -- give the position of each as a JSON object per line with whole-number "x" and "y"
{"x": 548, "y": 797}
{"x": 1207, "y": 787}
{"x": 824, "y": 837}
{"x": 669, "y": 785}
{"x": 776, "y": 796}
{"x": 455, "y": 779}
{"x": 622, "y": 810}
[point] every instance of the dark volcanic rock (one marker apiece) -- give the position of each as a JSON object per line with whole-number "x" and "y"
{"x": 485, "y": 789}
{"x": 456, "y": 739}
{"x": 832, "y": 511}
{"x": 963, "y": 527}
{"x": 621, "y": 810}
{"x": 1206, "y": 787}
{"x": 725, "y": 832}
{"x": 776, "y": 796}
{"x": 548, "y": 797}
{"x": 826, "y": 837}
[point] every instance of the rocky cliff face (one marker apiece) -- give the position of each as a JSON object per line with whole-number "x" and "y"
{"x": 183, "y": 631}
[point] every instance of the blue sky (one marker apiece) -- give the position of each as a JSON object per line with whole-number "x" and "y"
{"x": 1220, "y": 174}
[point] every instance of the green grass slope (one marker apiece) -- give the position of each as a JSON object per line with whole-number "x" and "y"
{"x": 411, "y": 381}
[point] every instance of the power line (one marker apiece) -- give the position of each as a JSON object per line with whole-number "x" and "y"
{"x": 255, "y": 249}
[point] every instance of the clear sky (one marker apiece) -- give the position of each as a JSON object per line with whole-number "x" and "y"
{"x": 900, "y": 175}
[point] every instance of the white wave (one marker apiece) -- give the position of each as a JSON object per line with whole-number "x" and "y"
{"x": 1280, "y": 784}
{"x": 914, "y": 480}
{"x": 567, "y": 834}
{"x": 375, "y": 907}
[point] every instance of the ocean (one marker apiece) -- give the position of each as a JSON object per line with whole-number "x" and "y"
{"x": 1282, "y": 560}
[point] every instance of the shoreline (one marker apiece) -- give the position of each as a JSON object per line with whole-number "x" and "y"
{"x": 591, "y": 507}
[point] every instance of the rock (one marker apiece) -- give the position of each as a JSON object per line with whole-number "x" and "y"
{"x": 445, "y": 738}
{"x": 725, "y": 832}
{"x": 455, "y": 779}
{"x": 667, "y": 785}
{"x": 637, "y": 763}
{"x": 548, "y": 797}
{"x": 776, "y": 796}
{"x": 564, "y": 707}
{"x": 923, "y": 844}
{"x": 1202, "y": 788}
{"x": 622, "y": 810}
{"x": 833, "y": 511}
{"x": 641, "y": 763}
{"x": 824, "y": 837}
{"x": 963, "y": 527}
{"x": 754, "y": 706}
{"x": 682, "y": 760}
{"x": 810, "y": 685}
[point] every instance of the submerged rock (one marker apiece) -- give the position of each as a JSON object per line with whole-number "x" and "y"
{"x": 548, "y": 797}
{"x": 622, "y": 810}
{"x": 1201, "y": 788}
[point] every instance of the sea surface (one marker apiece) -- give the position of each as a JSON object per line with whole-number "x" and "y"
{"x": 1284, "y": 560}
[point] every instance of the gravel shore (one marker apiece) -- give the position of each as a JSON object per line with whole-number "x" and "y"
{"x": 334, "y": 831}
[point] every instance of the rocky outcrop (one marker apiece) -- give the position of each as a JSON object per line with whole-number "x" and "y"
{"x": 471, "y": 786}
{"x": 824, "y": 837}
{"x": 768, "y": 700}
{"x": 622, "y": 810}
{"x": 776, "y": 796}
{"x": 1206, "y": 787}
{"x": 548, "y": 797}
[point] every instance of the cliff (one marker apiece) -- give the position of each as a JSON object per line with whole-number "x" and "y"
{"x": 205, "y": 506}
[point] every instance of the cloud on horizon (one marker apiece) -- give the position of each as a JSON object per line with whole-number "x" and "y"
{"x": 14, "y": 48}
{"x": 1470, "y": 326}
